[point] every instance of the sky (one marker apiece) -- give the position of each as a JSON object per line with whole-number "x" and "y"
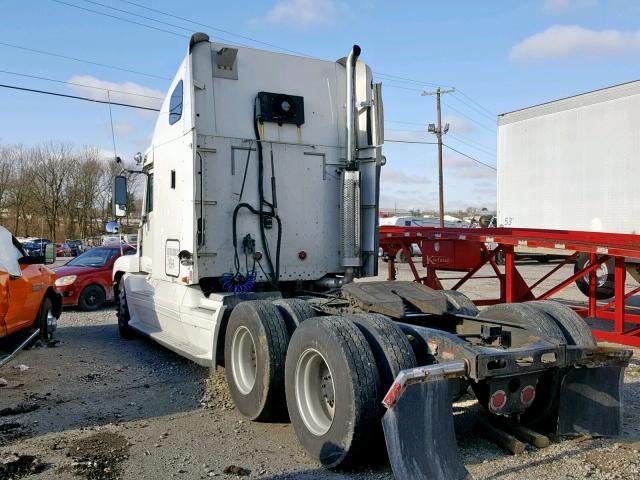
{"x": 500, "y": 55}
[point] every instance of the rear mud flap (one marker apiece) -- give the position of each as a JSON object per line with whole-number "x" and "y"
{"x": 590, "y": 402}
{"x": 419, "y": 433}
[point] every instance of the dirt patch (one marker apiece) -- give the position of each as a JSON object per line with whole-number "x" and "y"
{"x": 216, "y": 393}
{"x": 99, "y": 456}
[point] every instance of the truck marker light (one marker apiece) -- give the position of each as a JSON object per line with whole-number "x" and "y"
{"x": 528, "y": 395}
{"x": 498, "y": 400}
{"x": 302, "y": 254}
{"x": 257, "y": 256}
{"x": 392, "y": 396}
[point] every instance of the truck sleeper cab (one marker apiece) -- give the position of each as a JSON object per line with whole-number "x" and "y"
{"x": 260, "y": 211}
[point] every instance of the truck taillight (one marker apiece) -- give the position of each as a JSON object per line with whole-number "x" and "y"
{"x": 498, "y": 400}
{"x": 528, "y": 395}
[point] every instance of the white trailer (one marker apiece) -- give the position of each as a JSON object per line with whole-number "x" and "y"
{"x": 260, "y": 210}
{"x": 572, "y": 164}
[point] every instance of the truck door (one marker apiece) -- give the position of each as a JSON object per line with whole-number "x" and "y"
{"x": 25, "y": 293}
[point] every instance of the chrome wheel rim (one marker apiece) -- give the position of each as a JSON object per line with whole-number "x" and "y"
{"x": 243, "y": 360}
{"x": 315, "y": 392}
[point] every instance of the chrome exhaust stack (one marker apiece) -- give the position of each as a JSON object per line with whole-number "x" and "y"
{"x": 350, "y": 225}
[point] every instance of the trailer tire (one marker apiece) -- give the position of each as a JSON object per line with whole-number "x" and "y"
{"x": 332, "y": 349}
{"x": 122, "y": 312}
{"x": 605, "y": 282}
{"x": 294, "y": 311}
{"x": 401, "y": 257}
{"x": 255, "y": 348}
{"x": 459, "y": 303}
{"x": 529, "y": 317}
{"x": 574, "y": 328}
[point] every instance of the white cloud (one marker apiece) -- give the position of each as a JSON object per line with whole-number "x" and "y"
{"x": 562, "y": 6}
{"x": 126, "y": 92}
{"x": 562, "y": 41}
{"x": 390, "y": 175}
{"x": 303, "y": 13}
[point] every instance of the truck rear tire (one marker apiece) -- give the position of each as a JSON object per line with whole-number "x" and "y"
{"x": 529, "y": 317}
{"x": 328, "y": 360}
{"x": 255, "y": 349}
{"x": 574, "y": 328}
{"x": 604, "y": 277}
{"x": 294, "y": 311}
{"x": 390, "y": 346}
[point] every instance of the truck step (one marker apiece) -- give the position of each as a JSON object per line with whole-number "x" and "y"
{"x": 181, "y": 347}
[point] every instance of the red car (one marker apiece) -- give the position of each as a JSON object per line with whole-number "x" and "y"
{"x": 86, "y": 280}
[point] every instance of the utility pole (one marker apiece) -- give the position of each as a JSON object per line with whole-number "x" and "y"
{"x": 439, "y": 131}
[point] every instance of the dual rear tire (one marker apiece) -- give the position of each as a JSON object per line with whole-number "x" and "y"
{"x": 330, "y": 374}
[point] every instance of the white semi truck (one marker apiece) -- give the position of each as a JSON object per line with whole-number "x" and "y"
{"x": 571, "y": 164}
{"x": 260, "y": 210}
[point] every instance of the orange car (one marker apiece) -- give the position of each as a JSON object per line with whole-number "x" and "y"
{"x": 28, "y": 299}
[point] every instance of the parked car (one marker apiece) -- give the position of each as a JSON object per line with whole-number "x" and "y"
{"x": 77, "y": 247}
{"x": 30, "y": 285}
{"x": 63, "y": 250}
{"x": 32, "y": 249}
{"x": 86, "y": 280}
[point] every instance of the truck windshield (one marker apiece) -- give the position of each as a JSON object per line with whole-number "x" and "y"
{"x": 96, "y": 257}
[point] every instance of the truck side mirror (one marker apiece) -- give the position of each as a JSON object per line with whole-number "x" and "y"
{"x": 49, "y": 253}
{"x": 119, "y": 195}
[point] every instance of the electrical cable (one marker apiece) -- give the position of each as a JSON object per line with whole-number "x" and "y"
{"x": 37, "y": 77}
{"x": 120, "y": 18}
{"x": 76, "y": 97}
{"x": 80, "y": 60}
{"x": 470, "y": 157}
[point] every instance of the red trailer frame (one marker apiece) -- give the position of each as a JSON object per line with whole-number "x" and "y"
{"x": 467, "y": 250}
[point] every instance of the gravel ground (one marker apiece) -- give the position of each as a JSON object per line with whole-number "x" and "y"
{"x": 96, "y": 406}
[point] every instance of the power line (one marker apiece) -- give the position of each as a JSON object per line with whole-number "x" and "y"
{"x": 76, "y": 97}
{"x": 444, "y": 145}
{"x": 89, "y": 62}
{"x": 473, "y": 108}
{"x": 391, "y": 140}
{"x": 470, "y": 157}
{"x": 471, "y": 119}
{"x": 79, "y": 84}
{"x": 473, "y": 144}
{"x": 475, "y": 102}
{"x": 255, "y": 40}
{"x": 121, "y": 19}
{"x": 129, "y": 12}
